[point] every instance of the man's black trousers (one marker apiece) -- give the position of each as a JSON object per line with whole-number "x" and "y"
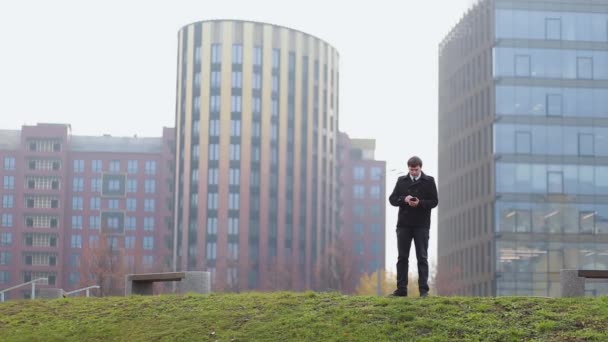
{"x": 420, "y": 235}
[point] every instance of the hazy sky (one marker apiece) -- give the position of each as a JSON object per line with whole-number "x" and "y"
{"x": 110, "y": 67}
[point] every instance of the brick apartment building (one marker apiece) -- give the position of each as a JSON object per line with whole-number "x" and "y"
{"x": 64, "y": 196}
{"x": 362, "y": 209}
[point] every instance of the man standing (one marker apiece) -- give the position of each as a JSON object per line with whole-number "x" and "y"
{"x": 415, "y": 194}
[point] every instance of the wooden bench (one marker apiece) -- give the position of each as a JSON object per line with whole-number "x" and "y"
{"x": 572, "y": 281}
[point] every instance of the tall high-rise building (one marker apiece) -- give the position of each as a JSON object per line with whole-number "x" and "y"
{"x": 362, "y": 222}
{"x": 257, "y": 130}
{"x": 70, "y": 203}
{"x": 523, "y": 147}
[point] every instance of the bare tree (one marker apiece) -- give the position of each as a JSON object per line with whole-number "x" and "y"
{"x": 102, "y": 264}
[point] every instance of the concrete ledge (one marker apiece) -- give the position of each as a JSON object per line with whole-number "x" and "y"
{"x": 571, "y": 284}
{"x": 143, "y": 284}
{"x": 165, "y": 276}
{"x": 49, "y": 293}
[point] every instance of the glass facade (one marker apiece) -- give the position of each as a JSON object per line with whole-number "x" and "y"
{"x": 550, "y": 144}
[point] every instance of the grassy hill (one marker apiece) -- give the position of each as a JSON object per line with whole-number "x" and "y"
{"x": 304, "y": 317}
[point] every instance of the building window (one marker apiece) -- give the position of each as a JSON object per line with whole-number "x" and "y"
{"x": 359, "y": 173}
{"x": 129, "y": 242}
{"x": 212, "y": 201}
{"x": 115, "y": 166}
{"x": 358, "y": 191}
{"x": 113, "y": 223}
{"x": 74, "y": 278}
{"x": 112, "y": 243}
{"x": 233, "y": 226}
{"x": 233, "y": 201}
{"x": 584, "y": 68}
{"x": 114, "y": 185}
{"x": 216, "y": 81}
{"x": 77, "y": 203}
{"x": 359, "y": 247}
{"x": 237, "y": 54}
{"x": 374, "y": 191}
{"x": 130, "y": 223}
{"x": 76, "y": 241}
{"x": 197, "y": 54}
{"x": 236, "y": 102}
{"x": 523, "y": 142}
{"x": 235, "y": 152}
{"x": 94, "y": 222}
{"x": 554, "y": 104}
{"x": 197, "y": 104}
{"x": 234, "y": 176}
{"x": 214, "y": 151}
{"x": 257, "y": 55}
{"x": 553, "y": 28}
{"x": 148, "y": 242}
{"x": 131, "y": 185}
{"x": 522, "y": 66}
{"x": 9, "y": 163}
{"x": 8, "y": 183}
{"x": 113, "y": 204}
{"x": 5, "y": 258}
{"x": 235, "y": 128}
{"x": 149, "y": 205}
{"x": 150, "y": 167}
{"x": 95, "y": 203}
{"x": 76, "y": 222}
{"x": 6, "y": 239}
{"x": 78, "y": 184}
{"x": 276, "y": 58}
{"x": 150, "y": 186}
{"x": 148, "y": 223}
{"x": 555, "y": 182}
{"x": 96, "y": 165}
{"x": 586, "y": 144}
{"x": 358, "y": 228}
{"x": 214, "y": 128}
{"x": 96, "y": 185}
{"x": 148, "y": 260}
{"x": 358, "y": 210}
{"x": 131, "y": 204}
{"x": 376, "y": 173}
{"x": 257, "y": 81}
{"x": 132, "y": 166}
{"x": 519, "y": 221}
{"x": 211, "y": 225}
{"x": 375, "y": 228}
{"x": 7, "y": 220}
{"x": 216, "y": 53}
{"x": 237, "y": 80}
{"x": 586, "y": 221}
{"x": 78, "y": 166}
{"x": 211, "y": 251}
{"x": 213, "y": 176}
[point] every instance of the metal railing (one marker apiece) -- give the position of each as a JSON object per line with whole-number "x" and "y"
{"x": 87, "y": 289}
{"x": 32, "y": 282}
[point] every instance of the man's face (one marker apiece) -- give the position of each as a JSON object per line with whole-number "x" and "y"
{"x": 414, "y": 171}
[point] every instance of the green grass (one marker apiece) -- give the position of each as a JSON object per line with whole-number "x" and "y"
{"x": 306, "y": 316}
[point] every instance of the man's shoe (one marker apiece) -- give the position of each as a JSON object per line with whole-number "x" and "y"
{"x": 399, "y": 293}
{"x": 424, "y": 294}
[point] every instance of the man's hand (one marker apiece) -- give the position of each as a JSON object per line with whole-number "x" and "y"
{"x": 413, "y": 202}
{"x": 408, "y": 198}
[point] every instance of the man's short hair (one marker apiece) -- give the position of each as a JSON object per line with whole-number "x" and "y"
{"x": 414, "y": 161}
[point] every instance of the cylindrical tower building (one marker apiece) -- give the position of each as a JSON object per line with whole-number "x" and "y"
{"x": 256, "y": 126}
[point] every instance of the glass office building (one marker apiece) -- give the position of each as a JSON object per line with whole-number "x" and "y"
{"x": 528, "y": 83}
